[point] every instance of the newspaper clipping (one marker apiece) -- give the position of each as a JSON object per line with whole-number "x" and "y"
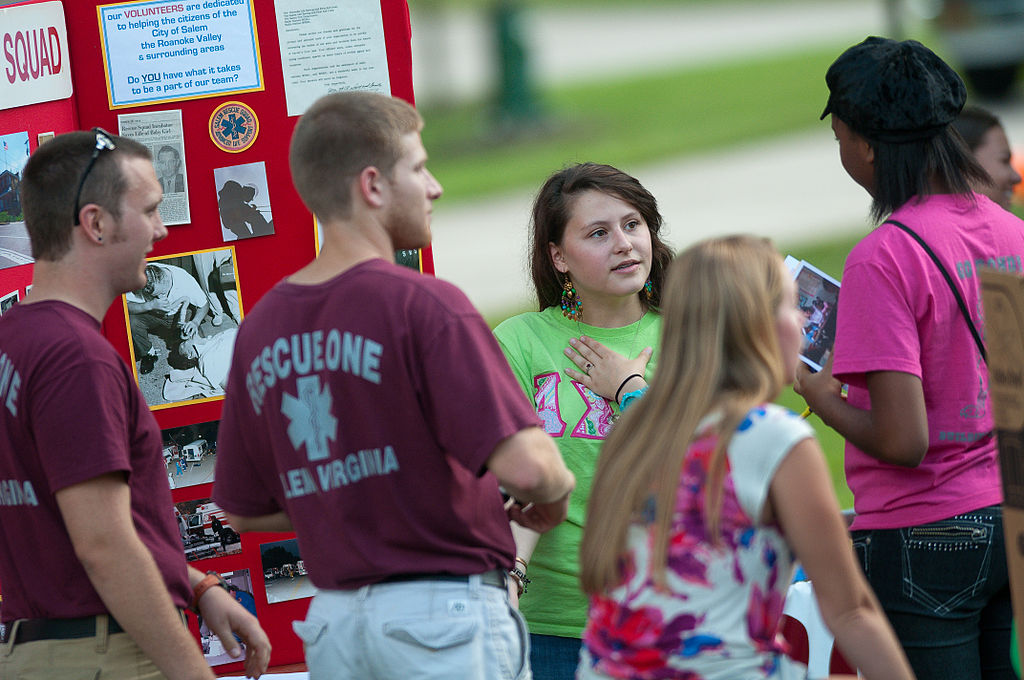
{"x": 161, "y": 132}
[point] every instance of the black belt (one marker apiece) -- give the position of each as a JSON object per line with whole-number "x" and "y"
{"x": 494, "y": 577}
{"x": 31, "y": 630}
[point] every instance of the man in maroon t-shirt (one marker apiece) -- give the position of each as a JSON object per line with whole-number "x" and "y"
{"x": 93, "y": 574}
{"x": 369, "y": 408}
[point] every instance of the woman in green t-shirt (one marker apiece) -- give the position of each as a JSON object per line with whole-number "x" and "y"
{"x": 597, "y": 262}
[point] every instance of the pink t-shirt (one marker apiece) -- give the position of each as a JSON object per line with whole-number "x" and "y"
{"x": 367, "y": 408}
{"x": 896, "y": 313}
{"x": 69, "y": 412}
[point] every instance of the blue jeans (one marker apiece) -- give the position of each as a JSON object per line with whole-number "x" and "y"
{"x": 415, "y": 629}
{"x": 945, "y": 589}
{"x": 553, "y": 657}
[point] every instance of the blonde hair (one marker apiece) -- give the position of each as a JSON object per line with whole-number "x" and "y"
{"x": 719, "y": 352}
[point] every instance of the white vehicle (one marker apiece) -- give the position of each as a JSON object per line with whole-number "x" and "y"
{"x": 195, "y": 451}
{"x": 170, "y": 453}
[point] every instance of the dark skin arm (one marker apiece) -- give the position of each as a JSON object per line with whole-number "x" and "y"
{"x": 894, "y": 430}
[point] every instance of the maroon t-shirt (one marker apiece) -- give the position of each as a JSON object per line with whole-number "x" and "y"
{"x": 367, "y": 408}
{"x": 69, "y": 412}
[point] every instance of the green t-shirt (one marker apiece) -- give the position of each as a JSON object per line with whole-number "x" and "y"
{"x": 579, "y": 420}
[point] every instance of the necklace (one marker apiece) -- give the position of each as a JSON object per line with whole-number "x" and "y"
{"x": 632, "y": 343}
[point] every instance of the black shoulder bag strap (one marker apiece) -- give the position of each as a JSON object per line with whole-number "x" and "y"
{"x": 952, "y": 286}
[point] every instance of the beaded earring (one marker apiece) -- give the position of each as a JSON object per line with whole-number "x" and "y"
{"x": 572, "y": 307}
{"x": 648, "y": 290}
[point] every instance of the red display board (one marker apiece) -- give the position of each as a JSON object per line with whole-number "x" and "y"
{"x": 105, "y": 80}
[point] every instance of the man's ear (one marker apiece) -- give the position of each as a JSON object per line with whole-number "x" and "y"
{"x": 557, "y": 258}
{"x": 92, "y": 220}
{"x": 372, "y": 187}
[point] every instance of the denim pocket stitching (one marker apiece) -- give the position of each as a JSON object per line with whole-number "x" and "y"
{"x": 937, "y": 538}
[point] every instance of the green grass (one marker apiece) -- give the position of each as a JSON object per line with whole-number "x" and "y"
{"x": 628, "y": 122}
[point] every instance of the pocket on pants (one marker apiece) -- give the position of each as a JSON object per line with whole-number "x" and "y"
{"x": 524, "y": 671}
{"x": 947, "y": 562}
{"x": 309, "y": 631}
{"x": 431, "y": 633}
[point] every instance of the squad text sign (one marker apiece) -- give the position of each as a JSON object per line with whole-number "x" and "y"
{"x": 34, "y": 49}
{"x": 170, "y": 50}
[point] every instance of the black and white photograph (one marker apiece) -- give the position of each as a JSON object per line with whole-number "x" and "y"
{"x": 15, "y": 248}
{"x": 205, "y": 531}
{"x": 818, "y": 294}
{"x": 182, "y": 326}
{"x": 7, "y": 301}
{"x": 284, "y": 572}
{"x": 240, "y": 586}
{"x": 190, "y": 453}
{"x": 243, "y": 201}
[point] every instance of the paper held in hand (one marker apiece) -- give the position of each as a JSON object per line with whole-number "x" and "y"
{"x": 817, "y": 295}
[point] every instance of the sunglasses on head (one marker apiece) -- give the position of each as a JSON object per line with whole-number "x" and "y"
{"x": 103, "y": 142}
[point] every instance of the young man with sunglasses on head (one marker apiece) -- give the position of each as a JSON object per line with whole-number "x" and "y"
{"x": 91, "y": 563}
{"x": 369, "y": 408}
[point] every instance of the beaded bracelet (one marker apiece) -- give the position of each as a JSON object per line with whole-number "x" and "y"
{"x": 521, "y": 580}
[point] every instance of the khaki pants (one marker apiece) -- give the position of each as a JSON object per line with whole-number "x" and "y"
{"x": 100, "y": 657}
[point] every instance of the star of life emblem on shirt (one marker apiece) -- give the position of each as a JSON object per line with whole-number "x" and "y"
{"x": 312, "y": 422}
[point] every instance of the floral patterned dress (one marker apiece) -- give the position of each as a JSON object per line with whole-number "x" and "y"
{"x": 719, "y": 616}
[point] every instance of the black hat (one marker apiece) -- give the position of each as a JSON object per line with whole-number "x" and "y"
{"x": 893, "y": 91}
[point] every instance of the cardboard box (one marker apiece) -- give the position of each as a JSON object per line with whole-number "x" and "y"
{"x": 1003, "y": 297}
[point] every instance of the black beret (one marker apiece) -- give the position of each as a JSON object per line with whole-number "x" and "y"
{"x": 893, "y": 91}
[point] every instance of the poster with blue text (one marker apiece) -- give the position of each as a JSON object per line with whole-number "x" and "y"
{"x": 169, "y": 50}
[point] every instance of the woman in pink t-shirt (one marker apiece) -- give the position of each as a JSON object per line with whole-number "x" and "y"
{"x": 920, "y": 456}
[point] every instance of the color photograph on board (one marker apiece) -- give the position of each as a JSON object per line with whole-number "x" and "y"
{"x": 284, "y": 572}
{"x": 8, "y": 301}
{"x": 15, "y": 248}
{"x": 205, "y": 531}
{"x": 190, "y": 453}
{"x": 240, "y": 586}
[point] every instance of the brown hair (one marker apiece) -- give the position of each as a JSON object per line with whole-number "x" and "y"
{"x": 719, "y": 352}
{"x": 972, "y": 124}
{"x": 552, "y": 211}
{"x": 50, "y": 180}
{"x": 339, "y": 136}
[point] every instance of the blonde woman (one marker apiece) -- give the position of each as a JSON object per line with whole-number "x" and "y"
{"x": 705, "y": 492}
